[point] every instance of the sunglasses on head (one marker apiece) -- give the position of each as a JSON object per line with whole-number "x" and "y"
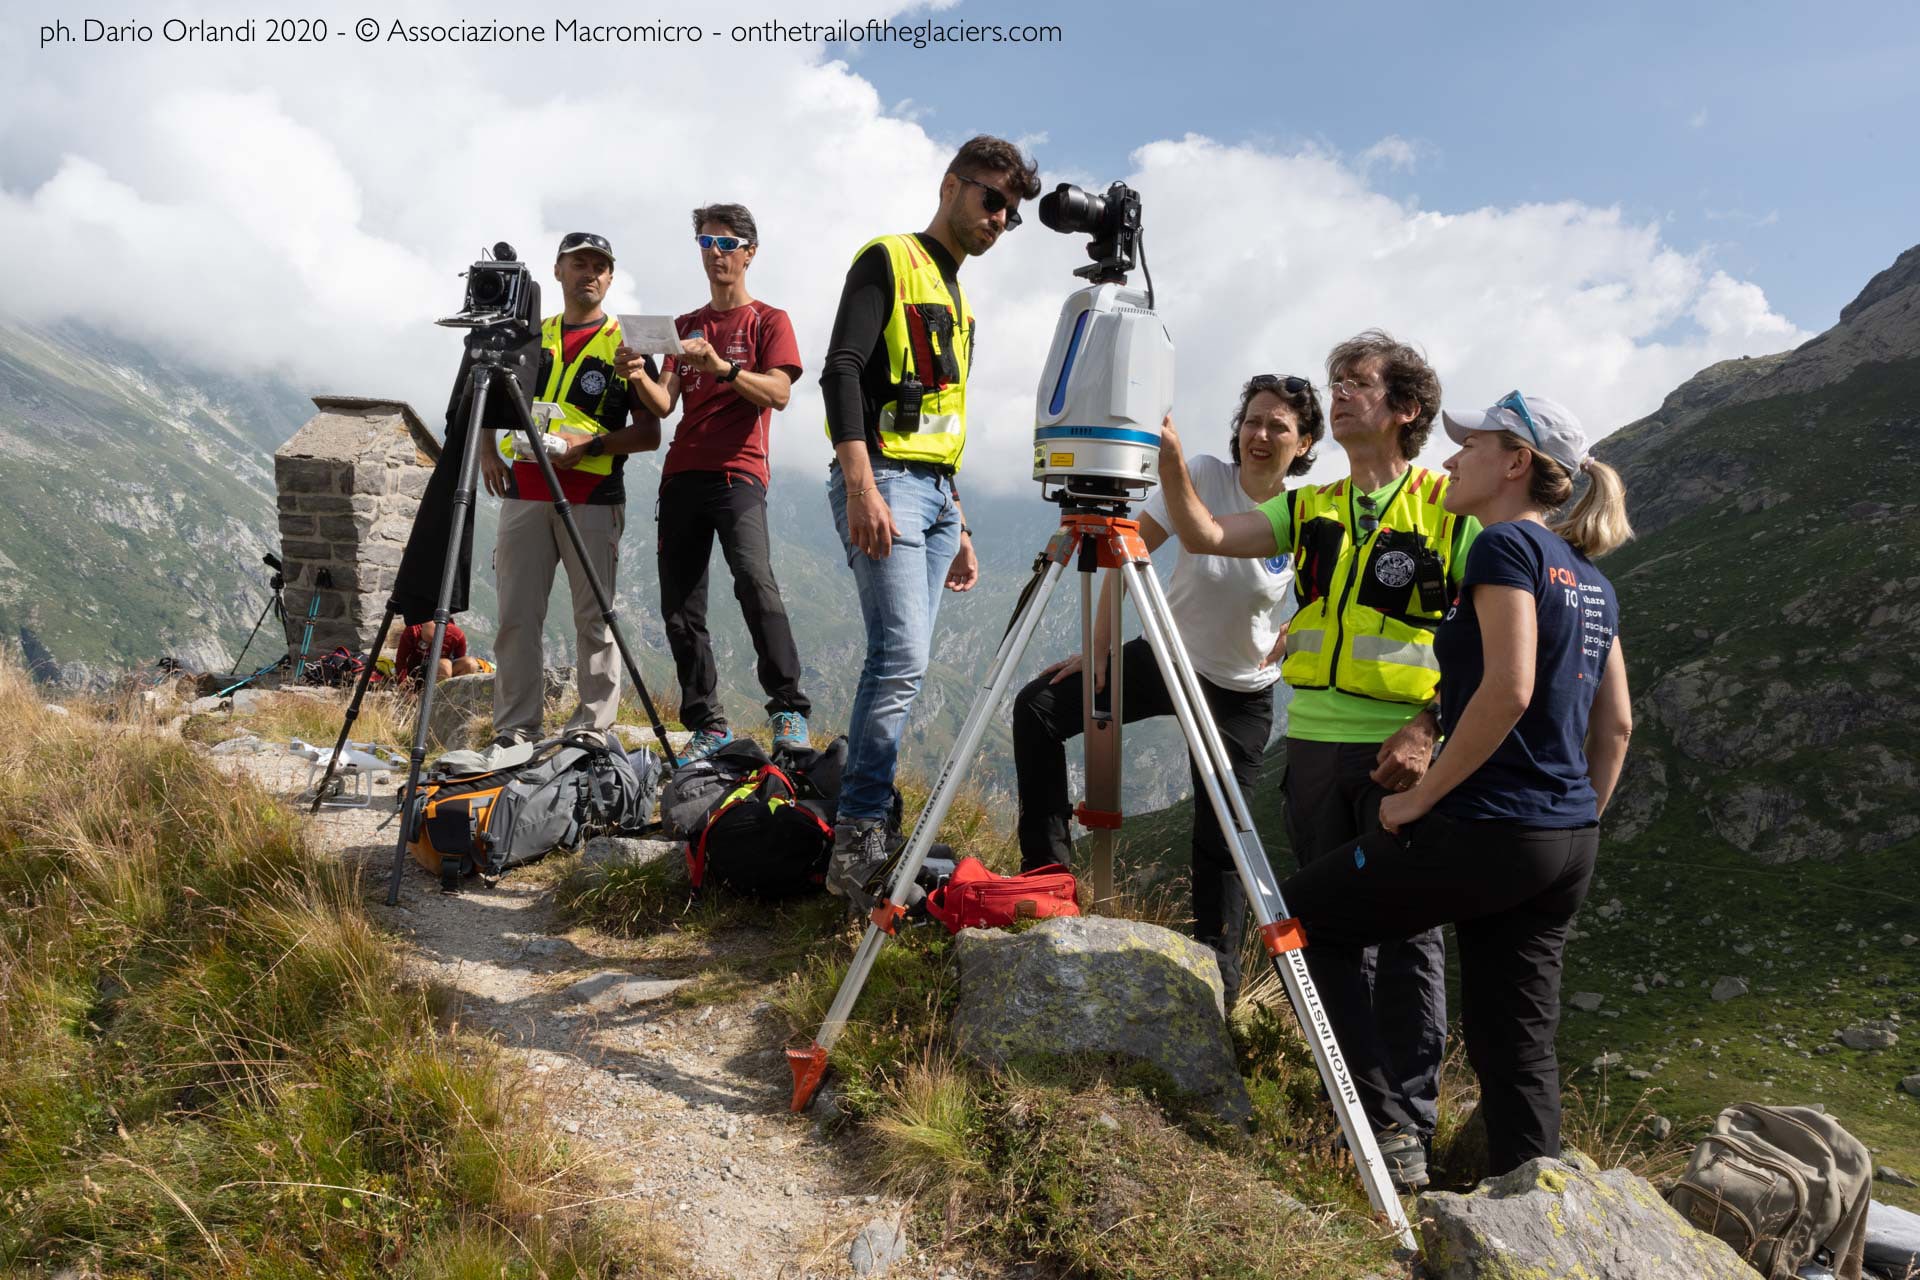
{"x": 725, "y": 244}
{"x": 994, "y": 199}
{"x": 1287, "y": 383}
{"x": 1518, "y": 403}
{"x": 576, "y": 240}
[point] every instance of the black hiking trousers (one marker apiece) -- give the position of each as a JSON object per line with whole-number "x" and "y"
{"x": 1046, "y": 715}
{"x": 695, "y": 508}
{"x": 1510, "y": 892}
{"x": 1332, "y": 800}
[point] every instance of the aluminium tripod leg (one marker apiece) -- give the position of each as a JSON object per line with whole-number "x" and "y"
{"x": 1101, "y": 733}
{"x": 353, "y": 706}
{"x": 481, "y": 379}
{"x": 809, "y": 1065}
{"x": 1282, "y": 934}
{"x": 538, "y": 452}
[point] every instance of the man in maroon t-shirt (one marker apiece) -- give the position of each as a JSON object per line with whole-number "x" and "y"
{"x": 739, "y": 364}
{"x": 416, "y": 642}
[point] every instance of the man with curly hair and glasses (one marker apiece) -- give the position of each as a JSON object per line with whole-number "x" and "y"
{"x": 1377, "y": 559}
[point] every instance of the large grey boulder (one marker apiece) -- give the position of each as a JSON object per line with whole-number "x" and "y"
{"x": 1550, "y": 1220}
{"x": 1090, "y": 985}
{"x": 462, "y": 711}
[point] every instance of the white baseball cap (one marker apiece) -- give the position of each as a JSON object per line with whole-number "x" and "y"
{"x": 1547, "y": 425}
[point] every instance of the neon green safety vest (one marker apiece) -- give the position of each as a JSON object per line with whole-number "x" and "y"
{"x": 929, "y": 335}
{"x": 588, "y": 389}
{"x": 1369, "y": 610}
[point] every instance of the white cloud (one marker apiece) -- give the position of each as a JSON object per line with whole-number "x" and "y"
{"x": 1698, "y": 120}
{"x": 1392, "y": 152}
{"x": 306, "y": 212}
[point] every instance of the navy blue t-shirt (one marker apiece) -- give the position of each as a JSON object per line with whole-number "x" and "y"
{"x": 1538, "y": 776}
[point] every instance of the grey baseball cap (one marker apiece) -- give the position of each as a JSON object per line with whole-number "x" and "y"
{"x": 1547, "y": 425}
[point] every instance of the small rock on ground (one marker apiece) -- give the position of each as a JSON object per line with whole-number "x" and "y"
{"x": 878, "y": 1246}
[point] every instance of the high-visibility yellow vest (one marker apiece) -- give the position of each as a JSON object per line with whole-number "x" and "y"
{"x": 1369, "y": 607}
{"x": 929, "y": 335}
{"x": 587, "y": 388}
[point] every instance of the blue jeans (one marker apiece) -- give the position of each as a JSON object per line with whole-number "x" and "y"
{"x": 899, "y": 599}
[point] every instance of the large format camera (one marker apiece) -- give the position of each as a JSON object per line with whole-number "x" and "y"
{"x": 500, "y": 290}
{"x": 1108, "y": 380}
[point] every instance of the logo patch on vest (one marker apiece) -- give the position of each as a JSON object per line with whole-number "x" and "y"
{"x": 1394, "y": 569}
{"x": 593, "y": 382}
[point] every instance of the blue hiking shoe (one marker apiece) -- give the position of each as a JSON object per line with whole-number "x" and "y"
{"x": 704, "y": 744}
{"x": 790, "y": 730}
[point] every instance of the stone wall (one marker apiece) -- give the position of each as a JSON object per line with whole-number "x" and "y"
{"x": 349, "y": 482}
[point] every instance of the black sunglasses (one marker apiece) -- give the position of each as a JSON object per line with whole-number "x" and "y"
{"x": 575, "y": 240}
{"x": 1288, "y": 383}
{"x": 995, "y": 200}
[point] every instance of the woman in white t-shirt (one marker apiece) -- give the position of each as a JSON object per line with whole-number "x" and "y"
{"x": 1232, "y": 617}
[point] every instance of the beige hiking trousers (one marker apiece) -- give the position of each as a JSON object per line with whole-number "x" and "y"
{"x": 532, "y": 541}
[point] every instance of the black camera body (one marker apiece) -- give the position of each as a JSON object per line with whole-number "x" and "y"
{"x": 1112, "y": 220}
{"x": 500, "y": 291}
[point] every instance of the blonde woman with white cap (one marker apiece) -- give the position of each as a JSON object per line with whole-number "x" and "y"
{"x": 1500, "y": 835}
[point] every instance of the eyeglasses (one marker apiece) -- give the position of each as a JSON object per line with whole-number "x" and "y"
{"x": 725, "y": 244}
{"x": 1518, "y": 403}
{"x": 1348, "y": 388}
{"x": 994, "y": 199}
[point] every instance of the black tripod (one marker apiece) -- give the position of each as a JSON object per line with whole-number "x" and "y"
{"x": 274, "y": 605}
{"x": 489, "y": 348}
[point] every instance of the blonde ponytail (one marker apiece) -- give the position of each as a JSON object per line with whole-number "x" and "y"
{"x": 1598, "y": 522}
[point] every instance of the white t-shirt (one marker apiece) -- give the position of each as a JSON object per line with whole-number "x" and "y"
{"x": 1229, "y": 610}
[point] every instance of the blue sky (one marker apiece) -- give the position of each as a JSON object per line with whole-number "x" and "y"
{"x": 1781, "y": 136}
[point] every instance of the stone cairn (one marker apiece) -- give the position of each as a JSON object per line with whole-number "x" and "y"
{"x": 349, "y": 483}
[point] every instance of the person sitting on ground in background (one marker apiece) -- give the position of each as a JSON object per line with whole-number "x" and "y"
{"x": 1499, "y": 835}
{"x": 739, "y": 365}
{"x": 416, "y": 642}
{"x": 1232, "y": 619}
{"x": 1376, "y": 557}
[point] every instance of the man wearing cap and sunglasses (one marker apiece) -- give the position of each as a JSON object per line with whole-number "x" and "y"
{"x": 605, "y": 421}
{"x": 895, "y": 386}
{"x": 1377, "y": 558}
{"x": 738, "y": 365}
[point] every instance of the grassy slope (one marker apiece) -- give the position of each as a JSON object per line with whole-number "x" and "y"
{"x": 1817, "y": 938}
{"x": 209, "y": 1065}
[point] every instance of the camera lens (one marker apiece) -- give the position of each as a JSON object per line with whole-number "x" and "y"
{"x": 487, "y": 287}
{"x": 1070, "y": 210}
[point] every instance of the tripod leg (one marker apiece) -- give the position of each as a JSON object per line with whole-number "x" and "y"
{"x": 353, "y": 707}
{"x": 258, "y": 622}
{"x": 1101, "y": 736}
{"x": 480, "y": 380}
{"x": 809, "y": 1065}
{"x": 1282, "y": 935}
{"x": 560, "y": 504}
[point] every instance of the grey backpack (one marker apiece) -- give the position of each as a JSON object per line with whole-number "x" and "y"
{"x": 1783, "y": 1186}
{"x": 580, "y": 784}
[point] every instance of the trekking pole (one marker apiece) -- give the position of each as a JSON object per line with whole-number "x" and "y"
{"x": 322, "y": 581}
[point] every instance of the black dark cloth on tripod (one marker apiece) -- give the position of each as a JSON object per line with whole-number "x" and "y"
{"x": 416, "y": 587}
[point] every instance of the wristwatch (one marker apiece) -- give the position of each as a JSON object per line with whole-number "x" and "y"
{"x": 733, "y": 371}
{"x": 596, "y": 446}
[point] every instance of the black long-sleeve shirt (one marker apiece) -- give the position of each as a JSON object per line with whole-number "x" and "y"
{"x": 855, "y": 379}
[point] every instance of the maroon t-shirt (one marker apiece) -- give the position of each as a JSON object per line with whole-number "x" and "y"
{"x": 719, "y": 430}
{"x": 410, "y": 657}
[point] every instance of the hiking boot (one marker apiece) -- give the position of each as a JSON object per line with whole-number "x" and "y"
{"x": 859, "y": 853}
{"x": 1405, "y": 1157}
{"x": 790, "y": 730}
{"x": 705, "y": 743}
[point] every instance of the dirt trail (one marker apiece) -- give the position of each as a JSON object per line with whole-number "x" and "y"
{"x": 685, "y": 1106}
